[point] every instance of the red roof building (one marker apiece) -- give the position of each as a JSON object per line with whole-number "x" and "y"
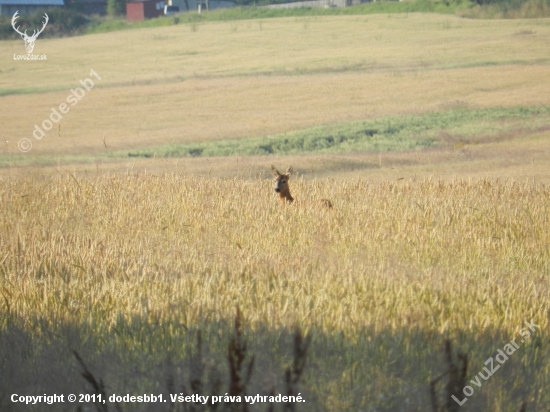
{"x": 144, "y": 9}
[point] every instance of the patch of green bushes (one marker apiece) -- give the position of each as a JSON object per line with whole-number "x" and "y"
{"x": 507, "y": 9}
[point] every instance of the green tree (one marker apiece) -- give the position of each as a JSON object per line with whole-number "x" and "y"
{"x": 116, "y": 7}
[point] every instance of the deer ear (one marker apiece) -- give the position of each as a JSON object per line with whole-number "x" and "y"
{"x": 289, "y": 171}
{"x": 274, "y": 171}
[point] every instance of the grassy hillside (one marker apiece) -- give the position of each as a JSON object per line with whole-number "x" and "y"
{"x": 174, "y": 86}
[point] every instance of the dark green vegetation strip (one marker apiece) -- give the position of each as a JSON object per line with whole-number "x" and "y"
{"x": 252, "y": 12}
{"x": 32, "y": 90}
{"x": 458, "y": 126}
{"x": 65, "y": 22}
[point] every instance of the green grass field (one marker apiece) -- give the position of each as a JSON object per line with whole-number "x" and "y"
{"x": 134, "y": 229}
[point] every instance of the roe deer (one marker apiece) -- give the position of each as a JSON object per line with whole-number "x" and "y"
{"x": 281, "y": 187}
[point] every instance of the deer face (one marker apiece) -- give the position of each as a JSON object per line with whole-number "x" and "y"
{"x": 281, "y": 180}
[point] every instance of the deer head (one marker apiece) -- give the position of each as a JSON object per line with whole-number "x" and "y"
{"x": 281, "y": 180}
{"x": 281, "y": 184}
{"x": 29, "y": 40}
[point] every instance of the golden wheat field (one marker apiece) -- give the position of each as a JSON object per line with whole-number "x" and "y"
{"x": 425, "y": 287}
{"x": 136, "y": 263}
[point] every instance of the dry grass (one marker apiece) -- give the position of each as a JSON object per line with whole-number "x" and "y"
{"x": 167, "y": 85}
{"x": 375, "y": 43}
{"x": 282, "y": 46}
{"x": 206, "y": 109}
